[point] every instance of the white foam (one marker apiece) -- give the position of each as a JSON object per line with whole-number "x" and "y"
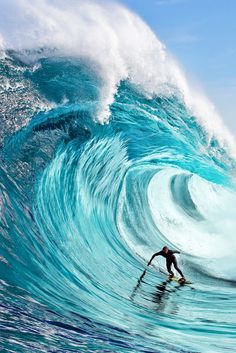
{"x": 110, "y": 35}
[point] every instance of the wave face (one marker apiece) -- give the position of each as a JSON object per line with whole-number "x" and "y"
{"x": 107, "y": 155}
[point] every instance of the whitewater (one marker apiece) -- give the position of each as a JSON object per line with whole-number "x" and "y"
{"x": 108, "y": 153}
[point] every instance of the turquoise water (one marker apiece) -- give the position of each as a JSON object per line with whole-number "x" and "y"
{"x": 84, "y": 205}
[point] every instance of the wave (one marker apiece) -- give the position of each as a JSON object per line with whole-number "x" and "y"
{"x": 104, "y": 159}
{"x": 98, "y": 32}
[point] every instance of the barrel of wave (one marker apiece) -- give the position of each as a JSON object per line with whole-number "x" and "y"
{"x": 208, "y": 239}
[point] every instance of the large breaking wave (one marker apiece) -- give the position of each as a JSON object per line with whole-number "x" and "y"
{"x": 107, "y": 154}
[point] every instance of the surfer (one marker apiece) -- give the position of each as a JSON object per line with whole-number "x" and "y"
{"x": 170, "y": 259}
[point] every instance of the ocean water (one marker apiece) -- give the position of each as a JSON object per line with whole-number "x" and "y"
{"x": 107, "y": 154}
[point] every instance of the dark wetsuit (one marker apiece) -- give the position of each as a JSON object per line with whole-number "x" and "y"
{"x": 170, "y": 259}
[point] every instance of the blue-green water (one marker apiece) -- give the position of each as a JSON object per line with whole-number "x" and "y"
{"x": 84, "y": 205}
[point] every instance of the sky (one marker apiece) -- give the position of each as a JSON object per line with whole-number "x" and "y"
{"x": 201, "y": 35}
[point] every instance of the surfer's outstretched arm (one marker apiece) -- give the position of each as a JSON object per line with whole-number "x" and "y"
{"x": 156, "y": 254}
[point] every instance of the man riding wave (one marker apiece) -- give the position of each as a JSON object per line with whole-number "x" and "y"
{"x": 170, "y": 259}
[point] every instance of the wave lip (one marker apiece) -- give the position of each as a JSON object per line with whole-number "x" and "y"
{"x": 98, "y": 33}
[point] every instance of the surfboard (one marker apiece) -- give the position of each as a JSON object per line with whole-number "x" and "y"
{"x": 175, "y": 279}
{"x": 178, "y": 280}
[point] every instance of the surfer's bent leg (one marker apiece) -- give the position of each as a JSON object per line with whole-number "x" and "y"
{"x": 168, "y": 265}
{"x": 176, "y": 266}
